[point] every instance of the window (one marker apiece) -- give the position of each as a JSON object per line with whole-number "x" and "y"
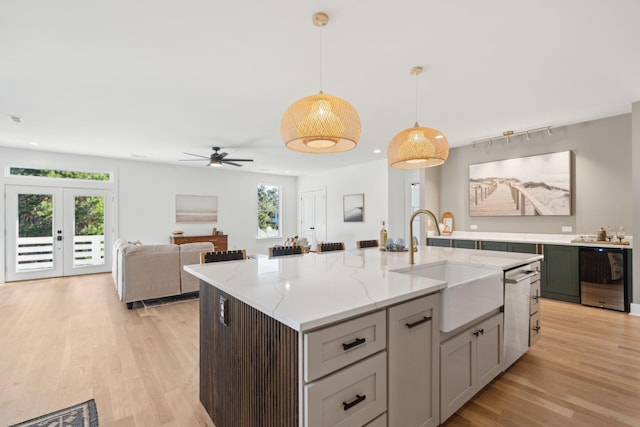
{"x": 65, "y": 174}
{"x": 268, "y": 211}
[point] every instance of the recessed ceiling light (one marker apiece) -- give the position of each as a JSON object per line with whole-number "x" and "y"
{"x": 287, "y": 172}
{"x": 34, "y": 144}
{"x": 377, "y": 151}
{"x": 16, "y": 119}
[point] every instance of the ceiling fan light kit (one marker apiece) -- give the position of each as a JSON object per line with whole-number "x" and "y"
{"x": 320, "y": 123}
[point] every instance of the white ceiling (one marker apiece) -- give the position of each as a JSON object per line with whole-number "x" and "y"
{"x": 122, "y": 78}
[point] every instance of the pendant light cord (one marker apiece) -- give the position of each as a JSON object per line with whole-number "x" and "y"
{"x": 416, "y": 81}
{"x": 321, "y": 59}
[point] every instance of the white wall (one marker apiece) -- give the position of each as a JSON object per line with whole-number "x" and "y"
{"x": 147, "y": 197}
{"x": 601, "y": 170}
{"x": 369, "y": 179}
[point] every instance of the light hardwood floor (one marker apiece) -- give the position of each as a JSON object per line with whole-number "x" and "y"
{"x": 66, "y": 340}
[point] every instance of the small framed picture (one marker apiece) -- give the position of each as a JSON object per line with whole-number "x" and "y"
{"x": 353, "y": 207}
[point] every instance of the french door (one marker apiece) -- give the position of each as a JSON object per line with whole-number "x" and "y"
{"x": 53, "y": 232}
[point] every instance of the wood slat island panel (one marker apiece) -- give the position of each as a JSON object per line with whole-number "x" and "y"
{"x": 253, "y": 381}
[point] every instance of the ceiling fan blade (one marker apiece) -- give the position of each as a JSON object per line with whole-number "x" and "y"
{"x": 222, "y": 155}
{"x": 226, "y": 162}
{"x": 197, "y": 155}
{"x": 192, "y": 160}
{"x": 238, "y": 160}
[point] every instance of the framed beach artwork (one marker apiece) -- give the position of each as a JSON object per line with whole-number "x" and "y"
{"x": 525, "y": 186}
{"x": 196, "y": 208}
{"x": 353, "y": 208}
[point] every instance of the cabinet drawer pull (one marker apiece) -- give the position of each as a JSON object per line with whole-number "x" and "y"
{"x": 536, "y": 328}
{"x": 425, "y": 319}
{"x": 479, "y": 332}
{"x": 353, "y": 403}
{"x": 357, "y": 342}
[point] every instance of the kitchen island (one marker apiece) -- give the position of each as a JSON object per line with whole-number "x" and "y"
{"x": 271, "y": 330}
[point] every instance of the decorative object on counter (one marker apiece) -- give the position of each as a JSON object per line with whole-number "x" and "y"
{"x": 395, "y": 245}
{"x": 320, "y": 123}
{"x": 353, "y": 207}
{"x": 515, "y": 187}
{"x": 447, "y": 222}
{"x": 620, "y": 234}
{"x": 610, "y": 234}
{"x": 602, "y": 234}
{"x": 383, "y": 236}
{"x": 417, "y": 147}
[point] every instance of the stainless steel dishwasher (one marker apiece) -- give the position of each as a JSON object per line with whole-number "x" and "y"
{"x": 521, "y": 293}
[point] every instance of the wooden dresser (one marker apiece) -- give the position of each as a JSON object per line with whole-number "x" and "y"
{"x": 219, "y": 241}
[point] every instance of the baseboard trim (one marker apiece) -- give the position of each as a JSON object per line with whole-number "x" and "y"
{"x": 635, "y": 310}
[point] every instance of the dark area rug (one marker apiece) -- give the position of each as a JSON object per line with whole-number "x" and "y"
{"x": 80, "y": 415}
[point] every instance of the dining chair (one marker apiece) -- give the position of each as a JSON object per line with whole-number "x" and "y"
{"x": 217, "y": 256}
{"x": 331, "y": 246}
{"x": 360, "y": 244}
{"x": 277, "y": 251}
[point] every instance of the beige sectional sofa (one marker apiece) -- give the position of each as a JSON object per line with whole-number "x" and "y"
{"x": 142, "y": 272}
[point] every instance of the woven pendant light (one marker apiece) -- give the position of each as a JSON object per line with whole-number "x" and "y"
{"x": 320, "y": 123}
{"x": 417, "y": 147}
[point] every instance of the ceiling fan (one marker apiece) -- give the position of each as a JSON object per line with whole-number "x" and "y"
{"x": 216, "y": 158}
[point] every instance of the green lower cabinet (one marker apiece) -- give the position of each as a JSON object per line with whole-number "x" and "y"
{"x": 527, "y": 248}
{"x": 466, "y": 244}
{"x": 560, "y": 276}
{"x": 445, "y": 243}
{"x": 493, "y": 246}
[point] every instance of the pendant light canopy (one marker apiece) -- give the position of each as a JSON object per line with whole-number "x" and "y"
{"x": 417, "y": 147}
{"x": 320, "y": 123}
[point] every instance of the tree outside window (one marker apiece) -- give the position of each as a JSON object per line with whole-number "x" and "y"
{"x": 268, "y": 211}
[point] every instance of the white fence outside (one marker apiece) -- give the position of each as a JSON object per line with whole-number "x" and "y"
{"x": 36, "y": 253}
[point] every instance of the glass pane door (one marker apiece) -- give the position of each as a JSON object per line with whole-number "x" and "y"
{"x": 86, "y": 221}
{"x": 34, "y": 235}
{"x": 53, "y": 232}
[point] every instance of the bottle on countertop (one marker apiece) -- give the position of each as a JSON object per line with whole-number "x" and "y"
{"x": 383, "y": 236}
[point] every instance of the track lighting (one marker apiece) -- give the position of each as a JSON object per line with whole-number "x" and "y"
{"x": 508, "y": 136}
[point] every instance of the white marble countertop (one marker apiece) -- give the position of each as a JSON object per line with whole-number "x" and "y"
{"x": 312, "y": 290}
{"x": 547, "y": 239}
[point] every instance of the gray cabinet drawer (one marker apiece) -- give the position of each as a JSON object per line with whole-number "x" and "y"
{"x": 352, "y": 397}
{"x": 329, "y": 349}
